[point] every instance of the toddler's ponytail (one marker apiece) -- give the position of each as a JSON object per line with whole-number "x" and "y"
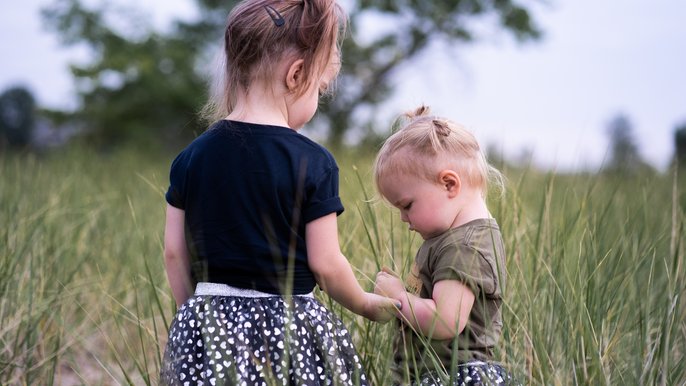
{"x": 425, "y": 144}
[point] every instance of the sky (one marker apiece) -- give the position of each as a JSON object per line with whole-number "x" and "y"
{"x": 551, "y": 99}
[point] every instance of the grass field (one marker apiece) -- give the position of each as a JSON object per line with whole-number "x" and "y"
{"x": 595, "y": 264}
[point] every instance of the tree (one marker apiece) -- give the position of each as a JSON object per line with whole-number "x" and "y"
{"x": 679, "y": 161}
{"x": 139, "y": 84}
{"x": 137, "y": 65}
{"x": 680, "y": 145}
{"x": 624, "y": 155}
{"x": 368, "y": 67}
{"x": 17, "y": 116}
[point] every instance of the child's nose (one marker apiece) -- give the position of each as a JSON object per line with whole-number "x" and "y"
{"x": 404, "y": 217}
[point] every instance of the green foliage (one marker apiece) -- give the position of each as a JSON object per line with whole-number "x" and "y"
{"x": 625, "y": 158}
{"x": 17, "y": 117}
{"x": 370, "y": 60}
{"x": 595, "y": 271}
{"x": 142, "y": 87}
{"x": 597, "y": 280}
{"x": 150, "y": 83}
{"x": 680, "y": 145}
{"x": 77, "y": 300}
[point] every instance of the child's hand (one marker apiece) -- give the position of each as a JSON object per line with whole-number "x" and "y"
{"x": 380, "y": 308}
{"x": 388, "y": 284}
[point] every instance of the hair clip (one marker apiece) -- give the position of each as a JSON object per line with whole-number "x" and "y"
{"x": 275, "y": 15}
{"x": 441, "y": 127}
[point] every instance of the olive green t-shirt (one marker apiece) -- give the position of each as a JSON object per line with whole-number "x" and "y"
{"x": 473, "y": 254}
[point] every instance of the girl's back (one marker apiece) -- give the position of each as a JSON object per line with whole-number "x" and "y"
{"x": 248, "y": 190}
{"x": 255, "y": 203}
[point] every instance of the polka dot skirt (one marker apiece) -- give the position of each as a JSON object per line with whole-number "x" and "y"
{"x": 472, "y": 374}
{"x": 263, "y": 340}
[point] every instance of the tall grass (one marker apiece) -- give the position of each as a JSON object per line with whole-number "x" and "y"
{"x": 78, "y": 303}
{"x": 594, "y": 294}
{"x": 596, "y": 277}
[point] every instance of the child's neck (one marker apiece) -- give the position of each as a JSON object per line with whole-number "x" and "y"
{"x": 260, "y": 106}
{"x": 472, "y": 207}
{"x": 263, "y": 117}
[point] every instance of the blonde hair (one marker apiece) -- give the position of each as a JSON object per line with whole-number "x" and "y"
{"x": 260, "y": 33}
{"x": 425, "y": 144}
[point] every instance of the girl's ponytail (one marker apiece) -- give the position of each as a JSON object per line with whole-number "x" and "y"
{"x": 259, "y": 34}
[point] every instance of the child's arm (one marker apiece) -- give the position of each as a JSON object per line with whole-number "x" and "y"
{"x": 442, "y": 317}
{"x": 176, "y": 256}
{"x": 335, "y": 276}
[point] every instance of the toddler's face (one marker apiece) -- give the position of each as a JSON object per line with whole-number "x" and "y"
{"x": 423, "y": 204}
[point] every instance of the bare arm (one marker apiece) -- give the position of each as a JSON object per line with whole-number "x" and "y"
{"x": 443, "y": 316}
{"x": 176, "y": 256}
{"x": 335, "y": 276}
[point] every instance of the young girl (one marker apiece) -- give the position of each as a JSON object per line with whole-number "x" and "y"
{"x": 251, "y": 216}
{"x": 434, "y": 172}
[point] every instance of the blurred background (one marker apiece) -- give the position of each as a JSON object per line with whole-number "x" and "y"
{"x": 555, "y": 84}
{"x": 580, "y": 104}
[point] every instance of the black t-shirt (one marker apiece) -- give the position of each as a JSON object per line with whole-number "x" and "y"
{"x": 248, "y": 191}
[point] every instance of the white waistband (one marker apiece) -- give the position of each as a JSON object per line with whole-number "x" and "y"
{"x": 473, "y": 363}
{"x": 218, "y": 289}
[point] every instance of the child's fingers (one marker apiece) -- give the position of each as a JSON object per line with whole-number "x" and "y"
{"x": 391, "y": 304}
{"x": 396, "y": 304}
{"x": 380, "y": 276}
{"x": 389, "y": 308}
{"x": 377, "y": 286}
{"x": 389, "y": 271}
{"x": 378, "y": 290}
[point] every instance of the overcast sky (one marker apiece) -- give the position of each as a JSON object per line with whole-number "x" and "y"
{"x": 553, "y": 98}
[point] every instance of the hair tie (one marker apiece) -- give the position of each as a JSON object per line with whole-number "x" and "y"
{"x": 441, "y": 127}
{"x": 275, "y": 15}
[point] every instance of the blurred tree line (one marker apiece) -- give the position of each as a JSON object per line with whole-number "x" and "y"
{"x": 624, "y": 156}
{"x": 142, "y": 84}
{"x": 147, "y": 86}
{"x": 17, "y": 117}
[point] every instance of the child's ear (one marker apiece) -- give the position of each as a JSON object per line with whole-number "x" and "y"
{"x": 294, "y": 76}
{"x": 450, "y": 181}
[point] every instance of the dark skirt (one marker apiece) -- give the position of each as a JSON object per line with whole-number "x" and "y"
{"x": 228, "y": 336}
{"x": 470, "y": 374}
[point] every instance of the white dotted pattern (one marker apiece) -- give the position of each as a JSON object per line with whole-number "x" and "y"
{"x": 231, "y": 340}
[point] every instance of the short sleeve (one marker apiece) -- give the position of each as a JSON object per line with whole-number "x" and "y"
{"x": 323, "y": 197}
{"x": 175, "y": 195}
{"x": 462, "y": 262}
